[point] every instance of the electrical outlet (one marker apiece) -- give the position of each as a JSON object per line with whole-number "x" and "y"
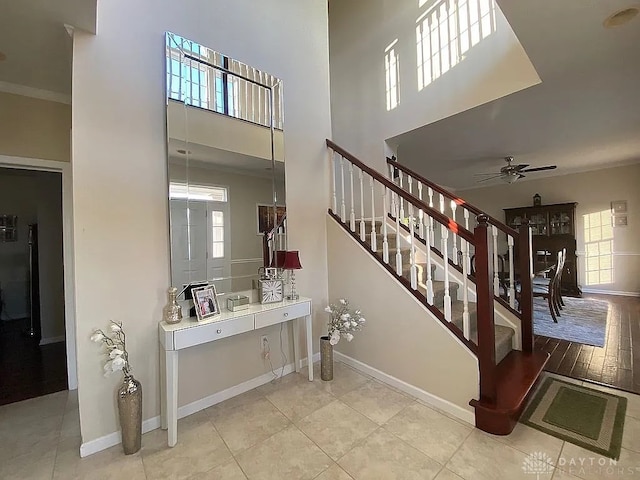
{"x": 264, "y": 343}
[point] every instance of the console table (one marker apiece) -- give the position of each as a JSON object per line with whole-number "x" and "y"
{"x": 189, "y": 332}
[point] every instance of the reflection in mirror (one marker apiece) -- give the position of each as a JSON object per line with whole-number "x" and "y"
{"x": 225, "y": 165}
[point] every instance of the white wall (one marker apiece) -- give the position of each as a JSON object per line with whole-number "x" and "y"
{"x": 360, "y": 31}
{"x": 35, "y": 197}
{"x": 400, "y": 338}
{"x": 120, "y": 178}
{"x": 594, "y": 191}
{"x": 34, "y": 128}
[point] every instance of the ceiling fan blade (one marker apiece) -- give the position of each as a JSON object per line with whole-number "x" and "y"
{"x": 486, "y": 174}
{"x": 489, "y": 178}
{"x": 539, "y": 169}
{"x": 520, "y": 167}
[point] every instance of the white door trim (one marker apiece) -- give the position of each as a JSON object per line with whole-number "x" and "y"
{"x": 67, "y": 240}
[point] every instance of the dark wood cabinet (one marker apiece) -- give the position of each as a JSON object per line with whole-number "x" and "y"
{"x": 553, "y": 228}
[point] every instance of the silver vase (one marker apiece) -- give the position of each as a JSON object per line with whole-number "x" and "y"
{"x": 130, "y": 412}
{"x": 326, "y": 359}
{"x": 172, "y": 313}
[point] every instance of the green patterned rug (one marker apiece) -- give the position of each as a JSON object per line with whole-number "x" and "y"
{"x": 583, "y": 416}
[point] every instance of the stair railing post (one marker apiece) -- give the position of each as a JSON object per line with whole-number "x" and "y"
{"x": 414, "y": 267}
{"x": 485, "y": 319}
{"x": 363, "y": 232}
{"x": 421, "y": 215}
{"x": 352, "y": 213}
{"x": 525, "y": 258}
{"x": 385, "y": 242}
{"x": 374, "y": 238}
{"x": 332, "y": 162}
{"x": 343, "y": 208}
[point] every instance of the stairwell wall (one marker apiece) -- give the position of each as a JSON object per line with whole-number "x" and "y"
{"x": 400, "y": 337}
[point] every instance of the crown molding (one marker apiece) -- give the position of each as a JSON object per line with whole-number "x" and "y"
{"x": 25, "y": 91}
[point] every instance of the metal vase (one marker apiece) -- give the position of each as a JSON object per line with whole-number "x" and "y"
{"x": 326, "y": 359}
{"x": 130, "y": 412}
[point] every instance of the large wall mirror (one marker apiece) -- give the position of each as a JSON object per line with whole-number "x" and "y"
{"x": 225, "y": 167}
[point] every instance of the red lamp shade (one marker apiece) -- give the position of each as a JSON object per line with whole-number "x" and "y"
{"x": 278, "y": 259}
{"x": 292, "y": 261}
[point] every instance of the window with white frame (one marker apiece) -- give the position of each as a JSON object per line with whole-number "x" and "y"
{"x": 598, "y": 240}
{"x": 197, "y": 192}
{"x": 392, "y": 75}
{"x": 446, "y": 31}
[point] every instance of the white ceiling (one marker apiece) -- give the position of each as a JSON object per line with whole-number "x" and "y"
{"x": 584, "y": 115}
{"x": 36, "y": 44}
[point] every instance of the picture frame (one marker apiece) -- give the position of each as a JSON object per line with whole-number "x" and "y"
{"x": 619, "y": 206}
{"x": 265, "y": 216}
{"x": 619, "y": 220}
{"x": 205, "y": 300}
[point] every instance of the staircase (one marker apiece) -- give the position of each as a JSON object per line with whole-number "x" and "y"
{"x": 410, "y": 226}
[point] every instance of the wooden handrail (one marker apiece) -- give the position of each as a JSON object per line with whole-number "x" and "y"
{"x": 433, "y": 213}
{"x": 459, "y": 201}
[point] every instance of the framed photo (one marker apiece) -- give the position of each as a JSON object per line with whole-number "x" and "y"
{"x": 206, "y": 301}
{"x": 266, "y": 217}
{"x": 619, "y": 220}
{"x": 619, "y": 206}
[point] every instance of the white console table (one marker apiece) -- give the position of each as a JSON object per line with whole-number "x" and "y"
{"x": 189, "y": 332}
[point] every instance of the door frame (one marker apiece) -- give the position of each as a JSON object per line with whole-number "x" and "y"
{"x": 63, "y": 168}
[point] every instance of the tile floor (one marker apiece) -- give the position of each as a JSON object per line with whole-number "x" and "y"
{"x": 351, "y": 428}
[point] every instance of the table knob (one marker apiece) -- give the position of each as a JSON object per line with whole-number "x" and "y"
{"x": 218, "y": 331}
{"x": 286, "y": 314}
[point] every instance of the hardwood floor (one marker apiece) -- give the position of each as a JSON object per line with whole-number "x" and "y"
{"x": 27, "y": 369}
{"x": 617, "y": 364}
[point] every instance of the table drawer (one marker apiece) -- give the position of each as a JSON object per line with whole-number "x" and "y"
{"x": 213, "y": 331}
{"x": 282, "y": 314}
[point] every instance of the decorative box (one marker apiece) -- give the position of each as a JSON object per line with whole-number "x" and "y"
{"x": 237, "y": 302}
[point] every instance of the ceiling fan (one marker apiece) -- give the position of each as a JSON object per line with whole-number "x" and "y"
{"x": 511, "y": 173}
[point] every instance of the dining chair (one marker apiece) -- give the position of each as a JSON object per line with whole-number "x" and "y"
{"x": 549, "y": 288}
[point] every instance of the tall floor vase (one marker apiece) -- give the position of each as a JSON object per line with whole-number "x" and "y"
{"x": 130, "y": 412}
{"x": 326, "y": 359}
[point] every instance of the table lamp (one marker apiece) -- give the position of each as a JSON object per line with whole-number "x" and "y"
{"x": 292, "y": 262}
{"x": 278, "y": 259}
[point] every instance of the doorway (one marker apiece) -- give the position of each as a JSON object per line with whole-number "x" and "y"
{"x": 33, "y": 350}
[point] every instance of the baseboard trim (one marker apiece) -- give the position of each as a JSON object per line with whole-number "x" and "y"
{"x": 47, "y": 341}
{"x": 433, "y": 400}
{"x": 611, "y": 292}
{"x": 112, "y": 439}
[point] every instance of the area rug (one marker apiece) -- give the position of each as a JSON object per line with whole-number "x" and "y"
{"x": 583, "y": 416}
{"x": 582, "y": 320}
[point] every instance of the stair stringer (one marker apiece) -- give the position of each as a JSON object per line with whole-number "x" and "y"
{"x": 502, "y": 316}
{"x": 402, "y": 337}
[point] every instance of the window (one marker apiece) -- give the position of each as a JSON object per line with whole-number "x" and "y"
{"x": 187, "y": 80}
{"x": 197, "y": 192}
{"x": 217, "y": 230}
{"x": 598, "y": 239}
{"x": 446, "y": 31}
{"x": 392, "y": 74}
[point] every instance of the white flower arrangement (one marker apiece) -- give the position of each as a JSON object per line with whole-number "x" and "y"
{"x": 343, "y": 321}
{"x": 116, "y": 349}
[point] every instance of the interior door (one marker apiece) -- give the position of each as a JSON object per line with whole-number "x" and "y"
{"x": 188, "y": 241}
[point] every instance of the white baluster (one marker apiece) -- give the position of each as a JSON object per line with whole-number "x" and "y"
{"x": 512, "y": 291}
{"x": 343, "y": 209}
{"x": 454, "y": 251}
{"x": 385, "y": 243}
{"x": 352, "y": 213}
{"x": 374, "y": 238}
{"x": 398, "y": 254}
{"x": 428, "y": 242}
{"x": 466, "y": 321}
{"x": 412, "y": 246}
{"x": 394, "y": 204}
{"x": 332, "y": 162}
{"x": 441, "y": 203}
{"x": 410, "y": 185}
{"x": 363, "y": 233}
{"x": 445, "y": 261}
{"x": 400, "y": 198}
{"x": 420, "y": 215}
{"x": 496, "y": 277}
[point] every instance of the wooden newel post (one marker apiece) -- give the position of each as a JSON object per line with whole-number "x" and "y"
{"x": 526, "y": 291}
{"x": 486, "y": 329}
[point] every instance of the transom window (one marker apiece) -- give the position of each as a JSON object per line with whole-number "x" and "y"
{"x": 198, "y": 192}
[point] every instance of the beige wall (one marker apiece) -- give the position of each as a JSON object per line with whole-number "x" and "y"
{"x": 400, "y": 338}
{"x": 120, "y": 180}
{"x": 594, "y": 191}
{"x": 34, "y": 128}
{"x": 361, "y": 30}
